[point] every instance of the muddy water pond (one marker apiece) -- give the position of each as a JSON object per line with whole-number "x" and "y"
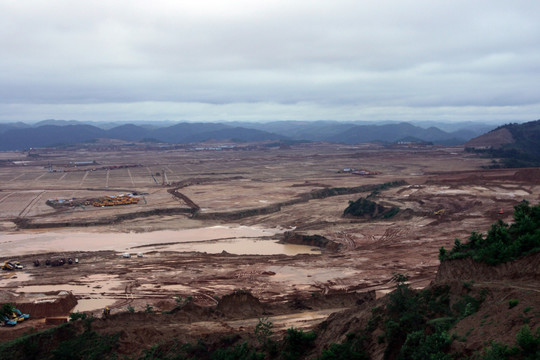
{"x": 92, "y": 304}
{"x": 241, "y": 246}
{"x": 236, "y": 240}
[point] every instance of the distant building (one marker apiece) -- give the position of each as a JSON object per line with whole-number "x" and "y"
{"x": 83, "y": 163}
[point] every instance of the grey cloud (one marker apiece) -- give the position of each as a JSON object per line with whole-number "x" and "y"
{"x": 301, "y": 57}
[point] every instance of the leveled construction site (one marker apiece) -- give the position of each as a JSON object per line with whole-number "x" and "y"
{"x": 265, "y": 221}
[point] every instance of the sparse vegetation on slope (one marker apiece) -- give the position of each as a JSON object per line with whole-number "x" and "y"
{"x": 503, "y": 242}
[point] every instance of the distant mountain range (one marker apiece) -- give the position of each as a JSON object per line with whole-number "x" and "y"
{"x": 19, "y": 135}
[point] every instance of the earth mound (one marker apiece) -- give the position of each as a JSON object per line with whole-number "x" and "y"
{"x": 240, "y": 303}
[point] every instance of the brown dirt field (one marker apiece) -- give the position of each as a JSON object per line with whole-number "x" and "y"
{"x": 240, "y": 181}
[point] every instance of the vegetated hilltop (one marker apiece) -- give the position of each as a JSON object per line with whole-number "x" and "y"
{"x": 517, "y": 144}
{"x": 473, "y": 310}
{"x": 363, "y": 207}
{"x": 17, "y": 136}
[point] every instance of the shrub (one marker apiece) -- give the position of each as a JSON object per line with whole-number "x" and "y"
{"x": 263, "y": 330}
{"x": 529, "y": 343}
{"x": 239, "y": 352}
{"x": 512, "y": 303}
{"x": 349, "y": 350}
{"x": 297, "y": 343}
{"x": 88, "y": 345}
{"x": 76, "y": 316}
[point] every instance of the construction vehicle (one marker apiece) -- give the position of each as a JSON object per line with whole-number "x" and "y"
{"x": 17, "y": 318}
{"x": 8, "y": 265}
{"x": 123, "y": 199}
{"x": 20, "y": 314}
{"x": 8, "y": 322}
{"x": 439, "y": 212}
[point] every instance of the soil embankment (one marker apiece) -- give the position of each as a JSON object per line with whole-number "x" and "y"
{"x": 290, "y": 237}
{"x": 26, "y": 223}
{"x": 523, "y": 269}
{"x": 58, "y": 306}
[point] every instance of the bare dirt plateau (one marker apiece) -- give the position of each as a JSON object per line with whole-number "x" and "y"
{"x": 216, "y": 221}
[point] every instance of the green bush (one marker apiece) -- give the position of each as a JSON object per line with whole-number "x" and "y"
{"x": 263, "y": 331}
{"x": 351, "y": 349}
{"x": 76, "y": 316}
{"x": 88, "y": 345}
{"x": 498, "y": 351}
{"x": 468, "y": 305}
{"x": 239, "y": 352}
{"x": 363, "y": 207}
{"x": 419, "y": 346}
{"x": 297, "y": 343}
{"x": 512, "y": 303}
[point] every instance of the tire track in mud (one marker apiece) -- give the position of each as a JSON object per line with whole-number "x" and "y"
{"x": 16, "y": 177}
{"x": 131, "y": 177}
{"x": 8, "y": 195}
{"x": 30, "y": 204}
{"x": 84, "y": 178}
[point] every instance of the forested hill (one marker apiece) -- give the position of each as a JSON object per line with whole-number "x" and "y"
{"x": 517, "y": 144}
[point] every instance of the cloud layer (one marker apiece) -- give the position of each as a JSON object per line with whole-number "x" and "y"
{"x": 270, "y": 60}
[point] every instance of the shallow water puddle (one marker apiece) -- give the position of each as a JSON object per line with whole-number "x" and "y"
{"x": 92, "y": 304}
{"x": 302, "y": 274}
{"x": 66, "y": 241}
{"x": 93, "y": 284}
{"x": 174, "y": 287}
{"x": 75, "y": 289}
{"x": 240, "y": 246}
{"x": 9, "y": 278}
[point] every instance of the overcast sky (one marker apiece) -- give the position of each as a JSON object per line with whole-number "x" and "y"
{"x": 216, "y": 60}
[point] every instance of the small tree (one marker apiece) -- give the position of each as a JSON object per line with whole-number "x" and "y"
{"x": 263, "y": 330}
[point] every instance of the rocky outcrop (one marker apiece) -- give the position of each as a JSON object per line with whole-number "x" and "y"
{"x": 240, "y": 303}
